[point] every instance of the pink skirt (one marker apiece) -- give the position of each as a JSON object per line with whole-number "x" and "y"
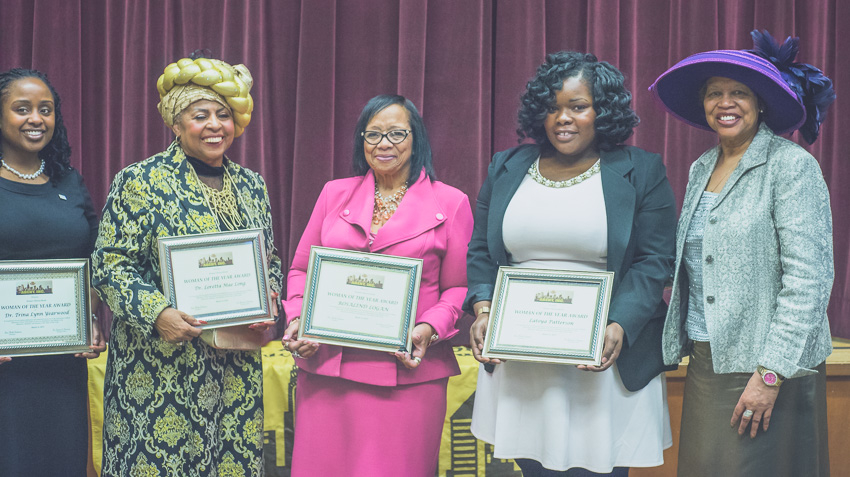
{"x": 346, "y": 428}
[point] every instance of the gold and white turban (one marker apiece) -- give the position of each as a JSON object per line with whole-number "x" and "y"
{"x": 187, "y": 81}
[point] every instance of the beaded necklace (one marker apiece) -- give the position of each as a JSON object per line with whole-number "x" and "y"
{"x": 21, "y": 174}
{"x": 385, "y": 207}
{"x": 535, "y": 174}
{"x": 221, "y": 202}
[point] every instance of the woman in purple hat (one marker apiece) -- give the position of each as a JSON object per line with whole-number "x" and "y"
{"x": 754, "y": 268}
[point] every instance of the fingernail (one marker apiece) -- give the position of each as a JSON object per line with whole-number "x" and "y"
{"x": 285, "y": 337}
{"x": 202, "y": 322}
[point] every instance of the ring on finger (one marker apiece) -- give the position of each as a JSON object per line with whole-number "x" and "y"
{"x": 417, "y": 359}
{"x": 295, "y": 354}
{"x": 748, "y": 413}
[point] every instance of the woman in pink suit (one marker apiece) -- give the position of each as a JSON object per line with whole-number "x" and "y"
{"x": 371, "y": 413}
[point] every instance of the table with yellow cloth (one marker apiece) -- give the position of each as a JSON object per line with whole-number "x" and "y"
{"x": 460, "y": 453}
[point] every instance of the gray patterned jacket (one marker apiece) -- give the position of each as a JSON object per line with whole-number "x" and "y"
{"x": 767, "y": 262}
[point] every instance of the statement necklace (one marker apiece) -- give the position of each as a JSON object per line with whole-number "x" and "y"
{"x": 385, "y": 207}
{"x": 222, "y": 202}
{"x": 534, "y": 172}
{"x": 21, "y": 175}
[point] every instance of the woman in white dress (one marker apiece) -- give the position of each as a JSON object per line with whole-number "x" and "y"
{"x": 577, "y": 200}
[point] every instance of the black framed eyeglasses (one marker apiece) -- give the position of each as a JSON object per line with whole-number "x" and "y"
{"x": 395, "y": 136}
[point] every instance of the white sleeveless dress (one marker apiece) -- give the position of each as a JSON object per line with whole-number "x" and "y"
{"x": 557, "y": 414}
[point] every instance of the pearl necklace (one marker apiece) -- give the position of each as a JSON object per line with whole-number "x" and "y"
{"x": 535, "y": 174}
{"x": 385, "y": 207}
{"x": 21, "y": 175}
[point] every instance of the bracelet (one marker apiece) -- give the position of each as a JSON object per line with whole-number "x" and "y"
{"x": 482, "y": 310}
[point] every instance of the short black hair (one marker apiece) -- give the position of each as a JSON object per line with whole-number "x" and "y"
{"x": 615, "y": 119}
{"x": 421, "y": 153}
{"x": 57, "y": 153}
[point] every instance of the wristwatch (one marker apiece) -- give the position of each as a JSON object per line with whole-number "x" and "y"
{"x": 482, "y": 310}
{"x": 770, "y": 378}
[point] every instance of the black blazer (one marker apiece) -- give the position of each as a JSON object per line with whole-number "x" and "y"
{"x": 641, "y": 220}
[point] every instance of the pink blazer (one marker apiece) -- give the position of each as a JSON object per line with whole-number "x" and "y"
{"x": 433, "y": 222}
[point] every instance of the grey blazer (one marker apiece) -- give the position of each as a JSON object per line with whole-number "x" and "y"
{"x": 767, "y": 262}
{"x": 641, "y": 219}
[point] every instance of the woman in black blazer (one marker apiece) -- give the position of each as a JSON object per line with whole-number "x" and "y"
{"x": 577, "y": 200}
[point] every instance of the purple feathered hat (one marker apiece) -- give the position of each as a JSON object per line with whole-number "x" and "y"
{"x": 795, "y": 95}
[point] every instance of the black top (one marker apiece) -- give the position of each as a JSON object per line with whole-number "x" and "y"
{"x": 204, "y": 169}
{"x": 43, "y": 398}
{"x": 46, "y": 221}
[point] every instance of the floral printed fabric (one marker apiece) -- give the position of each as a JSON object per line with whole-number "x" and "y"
{"x": 171, "y": 410}
{"x": 767, "y": 285}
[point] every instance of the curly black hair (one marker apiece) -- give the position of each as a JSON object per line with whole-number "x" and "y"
{"x": 615, "y": 119}
{"x": 421, "y": 154}
{"x": 57, "y": 153}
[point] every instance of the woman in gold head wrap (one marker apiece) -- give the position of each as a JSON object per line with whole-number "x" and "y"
{"x": 173, "y": 404}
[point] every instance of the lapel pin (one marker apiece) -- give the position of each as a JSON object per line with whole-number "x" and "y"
{"x": 62, "y": 196}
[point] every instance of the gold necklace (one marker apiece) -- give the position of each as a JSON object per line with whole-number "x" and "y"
{"x": 221, "y": 202}
{"x": 721, "y": 182}
{"x": 385, "y": 207}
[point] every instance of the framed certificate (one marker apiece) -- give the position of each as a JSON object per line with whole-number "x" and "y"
{"x": 361, "y": 300}
{"x": 221, "y": 278}
{"x": 553, "y": 316}
{"x": 44, "y": 307}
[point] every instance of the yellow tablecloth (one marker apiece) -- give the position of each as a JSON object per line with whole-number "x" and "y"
{"x": 460, "y": 454}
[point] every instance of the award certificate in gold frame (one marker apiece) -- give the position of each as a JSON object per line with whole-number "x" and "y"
{"x": 221, "y": 278}
{"x": 360, "y": 300}
{"x": 553, "y": 316}
{"x": 44, "y": 307}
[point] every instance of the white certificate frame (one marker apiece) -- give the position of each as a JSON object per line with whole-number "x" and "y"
{"x": 551, "y": 316}
{"x": 197, "y": 277}
{"x": 340, "y": 307}
{"x": 54, "y": 295}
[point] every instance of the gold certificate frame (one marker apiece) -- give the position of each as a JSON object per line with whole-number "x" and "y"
{"x": 552, "y": 316}
{"x": 44, "y": 307}
{"x": 221, "y": 278}
{"x": 360, "y": 300}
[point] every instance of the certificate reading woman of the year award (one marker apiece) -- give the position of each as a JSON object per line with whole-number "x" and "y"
{"x": 221, "y": 278}
{"x": 554, "y": 316}
{"x": 360, "y": 300}
{"x": 44, "y": 307}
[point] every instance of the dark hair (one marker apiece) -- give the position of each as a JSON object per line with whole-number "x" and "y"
{"x": 615, "y": 119}
{"x": 57, "y": 152}
{"x": 421, "y": 154}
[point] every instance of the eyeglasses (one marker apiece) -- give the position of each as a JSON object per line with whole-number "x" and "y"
{"x": 395, "y": 136}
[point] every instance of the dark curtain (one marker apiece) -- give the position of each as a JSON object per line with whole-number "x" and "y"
{"x": 463, "y": 63}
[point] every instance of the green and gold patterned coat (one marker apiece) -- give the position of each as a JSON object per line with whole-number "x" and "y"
{"x": 171, "y": 410}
